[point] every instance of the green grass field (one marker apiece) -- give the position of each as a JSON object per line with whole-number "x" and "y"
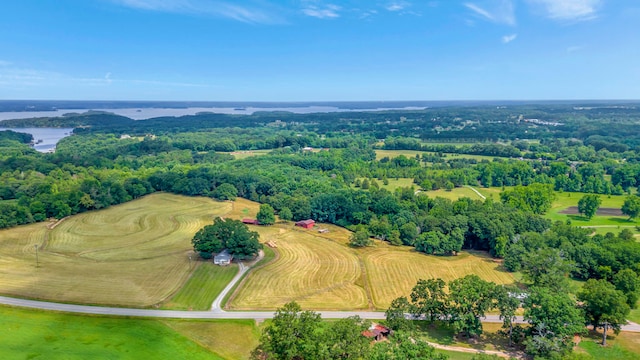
{"x": 454, "y": 194}
{"x": 202, "y": 287}
{"x": 412, "y": 154}
{"x": 134, "y": 254}
{"x": 32, "y": 334}
{"x": 247, "y": 154}
{"x": 614, "y": 223}
{"x": 395, "y": 183}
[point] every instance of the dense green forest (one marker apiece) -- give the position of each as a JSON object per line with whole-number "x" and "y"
{"x": 324, "y": 166}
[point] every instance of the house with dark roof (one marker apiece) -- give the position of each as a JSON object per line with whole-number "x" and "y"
{"x": 223, "y": 258}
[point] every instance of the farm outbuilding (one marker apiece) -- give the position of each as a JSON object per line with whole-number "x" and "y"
{"x": 251, "y": 221}
{"x": 223, "y": 258}
{"x": 307, "y": 224}
{"x": 377, "y": 332}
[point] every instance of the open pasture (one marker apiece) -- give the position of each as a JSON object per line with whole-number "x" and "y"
{"x": 393, "y": 271}
{"x": 320, "y": 271}
{"x": 454, "y": 194}
{"x": 32, "y": 334}
{"x": 316, "y": 272}
{"x": 412, "y": 154}
{"x": 134, "y": 254}
{"x": 565, "y": 202}
{"x": 394, "y": 183}
{"x": 202, "y": 288}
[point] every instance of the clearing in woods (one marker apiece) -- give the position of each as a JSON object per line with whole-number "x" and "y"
{"x": 320, "y": 271}
{"x": 134, "y": 254}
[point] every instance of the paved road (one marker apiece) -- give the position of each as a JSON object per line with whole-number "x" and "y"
{"x": 257, "y": 315}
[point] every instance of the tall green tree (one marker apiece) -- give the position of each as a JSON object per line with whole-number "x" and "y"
{"x": 631, "y": 206}
{"x": 536, "y": 198}
{"x": 266, "y": 215}
{"x": 285, "y": 214}
{"x": 554, "y": 319}
{"x": 628, "y": 282}
{"x": 402, "y": 347}
{"x": 344, "y": 339}
{"x": 547, "y": 268}
{"x": 360, "y": 238}
{"x": 604, "y": 306}
{"x": 292, "y": 334}
{"x": 429, "y": 299}
{"x": 226, "y": 233}
{"x": 396, "y": 314}
{"x": 469, "y": 298}
{"x": 588, "y": 205}
{"x": 507, "y": 303}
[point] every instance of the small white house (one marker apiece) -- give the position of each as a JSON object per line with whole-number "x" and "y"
{"x": 223, "y": 258}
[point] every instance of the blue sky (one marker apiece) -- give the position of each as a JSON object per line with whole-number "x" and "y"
{"x": 317, "y": 50}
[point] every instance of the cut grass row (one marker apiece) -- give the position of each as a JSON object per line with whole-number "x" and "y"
{"x": 207, "y": 281}
{"x": 320, "y": 271}
{"x": 134, "y": 254}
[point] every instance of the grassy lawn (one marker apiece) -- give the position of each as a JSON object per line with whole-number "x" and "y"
{"x": 412, "y": 154}
{"x": 31, "y": 334}
{"x": 202, "y": 287}
{"x": 395, "y": 183}
{"x": 625, "y": 345}
{"x": 134, "y": 254}
{"x": 454, "y": 194}
{"x": 230, "y": 339}
{"x": 566, "y": 200}
{"x": 247, "y": 154}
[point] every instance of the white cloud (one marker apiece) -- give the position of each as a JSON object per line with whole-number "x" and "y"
{"x": 234, "y": 11}
{"x": 497, "y": 11}
{"x": 397, "y": 5}
{"x": 509, "y": 38}
{"x": 569, "y": 10}
{"x": 329, "y": 11}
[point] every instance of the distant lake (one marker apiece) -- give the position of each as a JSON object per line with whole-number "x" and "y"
{"x": 49, "y": 136}
{"x": 150, "y": 112}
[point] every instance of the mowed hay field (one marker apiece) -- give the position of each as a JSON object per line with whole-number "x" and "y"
{"x": 317, "y": 273}
{"x": 320, "y": 271}
{"x": 393, "y": 271}
{"x": 134, "y": 254}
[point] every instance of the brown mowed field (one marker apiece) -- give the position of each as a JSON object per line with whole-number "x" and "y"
{"x": 320, "y": 271}
{"x": 316, "y": 272}
{"x": 134, "y": 254}
{"x": 393, "y": 271}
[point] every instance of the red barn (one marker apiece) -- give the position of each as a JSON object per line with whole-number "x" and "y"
{"x": 251, "y": 221}
{"x": 307, "y": 224}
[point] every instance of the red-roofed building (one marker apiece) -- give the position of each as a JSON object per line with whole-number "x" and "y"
{"x": 251, "y": 221}
{"x": 377, "y": 332}
{"x": 307, "y": 224}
